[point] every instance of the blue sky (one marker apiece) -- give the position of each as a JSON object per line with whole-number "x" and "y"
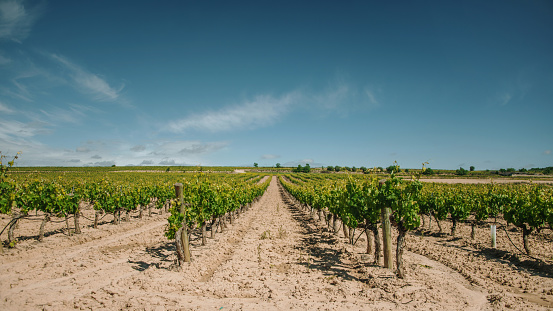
{"x": 356, "y": 83}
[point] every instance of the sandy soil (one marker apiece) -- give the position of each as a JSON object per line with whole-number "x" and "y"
{"x": 273, "y": 257}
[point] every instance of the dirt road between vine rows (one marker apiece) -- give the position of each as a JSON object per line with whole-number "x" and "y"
{"x": 272, "y": 257}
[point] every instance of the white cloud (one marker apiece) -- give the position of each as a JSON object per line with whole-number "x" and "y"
{"x": 138, "y": 148}
{"x": 334, "y": 97}
{"x": 372, "y": 98}
{"x": 269, "y": 156}
{"x": 183, "y": 148}
{"x": 504, "y": 99}
{"x": 260, "y": 112}
{"x": 4, "y": 109}
{"x": 342, "y": 98}
{"x": 303, "y": 162}
{"x": 89, "y": 82}
{"x": 4, "y": 60}
{"x": 166, "y": 161}
{"x": 17, "y": 136}
{"x": 15, "y": 20}
{"x": 14, "y": 130}
{"x": 73, "y": 114}
{"x": 102, "y": 163}
{"x": 547, "y": 152}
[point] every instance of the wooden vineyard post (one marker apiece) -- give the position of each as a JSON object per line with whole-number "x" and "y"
{"x": 387, "y": 238}
{"x": 387, "y": 235}
{"x": 184, "y": 231}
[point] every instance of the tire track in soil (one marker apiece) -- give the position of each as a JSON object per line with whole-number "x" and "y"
{"x": 80, "y": 268}
{"x": 494, "y": 274}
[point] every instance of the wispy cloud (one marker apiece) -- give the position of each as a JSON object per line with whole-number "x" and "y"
{"x": 16, "y": 20}
{"x": 73, "y": 114}
{"x": 138, "y": 148}
{"x": 89, "y": 82}
{"x": 269, "y": 156}
{"x": 303, "y": 162}
{"x": 15, "y": 130}
{"x": 4, "y": 60}
{"x": 547, "y": 152}
{"x": 262, "y": 111}
{"x": 5, "y": 109}
{"x": 167, "y": 161}
{"x": 504, "y": 99}
{"x": 343, "y": 98}
{"x": 372, "y": 97}
{"x": 334, "y": 96}
{"x": 183, "y": 148}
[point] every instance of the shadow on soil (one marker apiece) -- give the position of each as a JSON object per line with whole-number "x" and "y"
{"x": 319, "y": 246}
{"x": 520, "y": 262}
{"x": 163, "y": 253}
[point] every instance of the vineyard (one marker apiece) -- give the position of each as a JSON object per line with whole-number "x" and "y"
{"x": 156, "y": 240}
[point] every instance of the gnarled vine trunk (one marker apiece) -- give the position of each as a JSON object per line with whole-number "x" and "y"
{"x": 345, "y": 230}
{"x": 399, "y": 252}
{"x": 203, "y": 233}
{"x": 11, "y": 234}
{"x": 96, "y": 217}
{"x": 213, "y": 227}
{"x": 42, "y": 226}
{"x": 377, "y": 245}
{"x": 525, "y": 233}
{"x": 335, "y": 223}
{"x": 77, "y": 225}
{"x": 439, "y": 225}
{"x": 369, "y": 240}
{"x": 179, "y": 246}
{"x": 453, "y": 226}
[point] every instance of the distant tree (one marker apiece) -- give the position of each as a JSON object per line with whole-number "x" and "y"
{"x": 406, "y": 170}
{"x": 471, "y": 168}
{"x": 502, "y": 170}
{"x": 330, "y": 168}
{"x": 394, "y": 168}
{"x": 337, "y": 168}
{"x": 113, "y": 165}
{"x": 354, "y": 169}
{"x": 168, "y": 169}
{"x": 523, "y": 170}
{"x": 510, "y": 169}
{"x": 278, "y": 165}
{"x": 298, "y": 169}
{"x": 306, "y": 168}
{"x": 380, "y": 169}
{"x": 428, "y": 171}
{"x": 256, "y": 165}
{"x": 461, "y": 171}
{"x": 364, "y": 169}
{"x": 346, "y": 168}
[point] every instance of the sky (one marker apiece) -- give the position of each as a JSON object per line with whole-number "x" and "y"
{"x": 233, "y": 83}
